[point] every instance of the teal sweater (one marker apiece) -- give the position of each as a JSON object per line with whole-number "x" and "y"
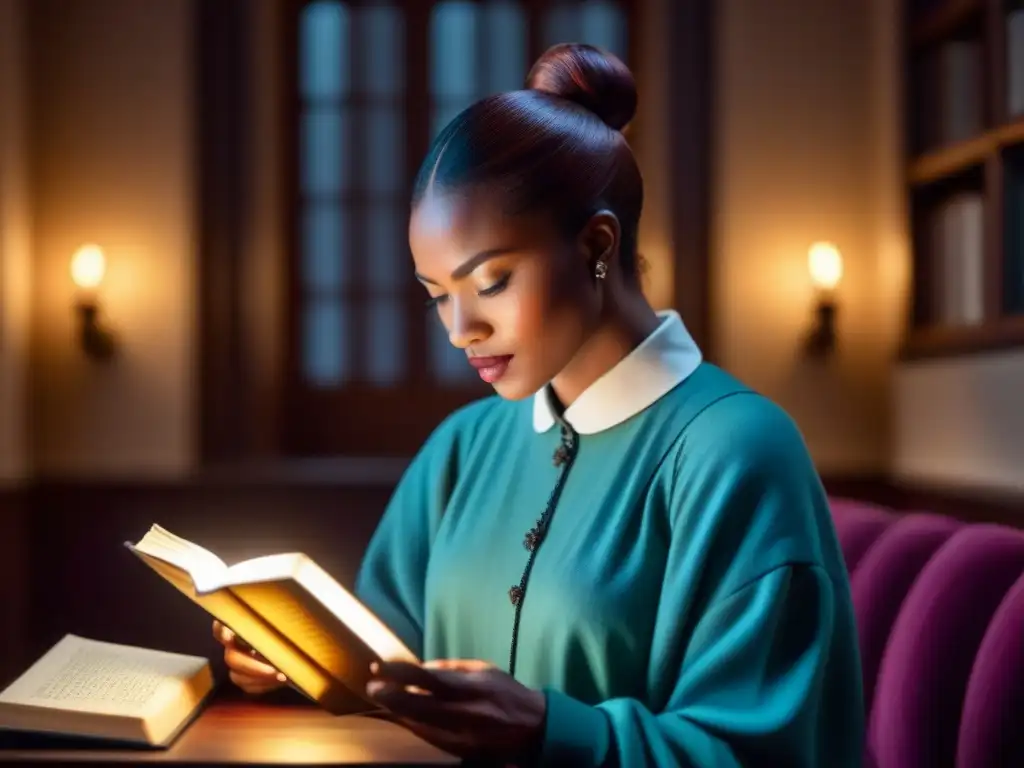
{"x": 688, "y": 605}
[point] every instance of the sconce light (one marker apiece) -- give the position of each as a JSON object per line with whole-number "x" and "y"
{"x": 88, "y": 266}
{"x": 825, "y": 264}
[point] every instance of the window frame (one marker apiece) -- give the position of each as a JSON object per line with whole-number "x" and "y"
{"x": 247, "y": 410}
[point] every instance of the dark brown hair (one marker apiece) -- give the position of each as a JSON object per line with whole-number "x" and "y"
{"x": 556, "y": 146}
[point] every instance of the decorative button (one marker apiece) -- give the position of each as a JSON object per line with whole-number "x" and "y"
{"x": 515, "y": 594}
{"x": 532, "y": 539}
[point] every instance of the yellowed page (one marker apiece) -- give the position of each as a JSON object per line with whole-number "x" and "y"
{"x": 228, "y": 609}
{"x": 93, "y": 688}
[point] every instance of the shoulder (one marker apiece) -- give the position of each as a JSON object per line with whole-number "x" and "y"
{"x": 747, "y": 431}
{"x": 714, "y": 419}
{"x": 746, "y": 491}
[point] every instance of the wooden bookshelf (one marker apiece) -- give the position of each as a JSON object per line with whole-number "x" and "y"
{"x": 965, "y": 175}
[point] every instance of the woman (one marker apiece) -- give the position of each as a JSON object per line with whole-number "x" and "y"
{"x": 627, "y": 558}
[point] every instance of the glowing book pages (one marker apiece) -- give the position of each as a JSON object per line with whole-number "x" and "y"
{"x": 92, "y": 689}
{"x": 290, "y": 610}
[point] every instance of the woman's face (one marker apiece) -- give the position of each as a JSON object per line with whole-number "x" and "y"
{"x": 511, "y": 291}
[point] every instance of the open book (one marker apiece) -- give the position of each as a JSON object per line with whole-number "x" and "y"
{"x": 289, "y": 610}
{"x": 92, "y": 689}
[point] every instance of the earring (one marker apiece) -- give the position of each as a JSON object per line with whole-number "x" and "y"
{"x": 600, "y": 270}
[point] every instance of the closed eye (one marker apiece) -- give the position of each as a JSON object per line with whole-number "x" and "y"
{"x": 433, "y": 301}
{"x": 492, "y": 290}
{"x": 498, "y": 287}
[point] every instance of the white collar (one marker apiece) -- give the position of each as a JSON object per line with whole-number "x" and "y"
{"x": 662, "y": 361}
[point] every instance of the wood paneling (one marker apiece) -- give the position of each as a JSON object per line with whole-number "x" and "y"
{"x": 85, "y": 582}
{"x": 691, "y": 118}
{"x": 977, "y": 505}
{"x": 14, "y": 575}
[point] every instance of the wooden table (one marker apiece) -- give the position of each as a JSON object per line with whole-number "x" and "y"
{"x": 233, "y": 733}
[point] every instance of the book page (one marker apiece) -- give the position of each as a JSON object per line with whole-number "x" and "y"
{"x": 284, "y": 608}
{"x": 357, "y": 617}
{"x": 201, "y": 564}
{"x": 318, "y": 634}
{"x": 226, "y": 607}
{"x": 264, "y": 568}
{"x": 103, "y": 678}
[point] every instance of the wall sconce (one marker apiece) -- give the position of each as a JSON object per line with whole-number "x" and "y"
{"x": 88, "y": 266}
{"x": 825, "y": 264}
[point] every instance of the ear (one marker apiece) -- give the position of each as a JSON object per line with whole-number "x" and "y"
{"x": 599, "y": 239}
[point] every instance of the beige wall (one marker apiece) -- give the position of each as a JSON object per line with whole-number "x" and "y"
{"x": 112, "y": 131}
{"x": 796, "y": 162}
{"x": 807, "y": 148}
{"x": 961, "y": 422}
{"x": 15, "y": 244}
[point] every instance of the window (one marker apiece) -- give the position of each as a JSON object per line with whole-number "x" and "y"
{"x": 966, "y": 176}
{"x": 370, "y": 370}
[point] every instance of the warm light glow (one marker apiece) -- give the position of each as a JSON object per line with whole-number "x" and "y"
{"x": 826, "y": 265}
{"x": 88, "y": 266}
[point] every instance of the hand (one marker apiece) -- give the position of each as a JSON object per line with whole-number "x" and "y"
{"x": 468, "y": 708}
{"x": 249, "y": 671}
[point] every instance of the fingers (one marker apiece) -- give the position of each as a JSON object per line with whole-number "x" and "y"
{"x": 253, "y": 685}
{"x": 459, "y": 665}
{"x": 249, "y": 666}
{"x": 406, "y": 703}
{"x": 222, "y": 634}
{"x": 417, "y": 680}
{"x": 247, "y": 669}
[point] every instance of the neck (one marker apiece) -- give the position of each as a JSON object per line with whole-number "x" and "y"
{"x": 623, "y": 327}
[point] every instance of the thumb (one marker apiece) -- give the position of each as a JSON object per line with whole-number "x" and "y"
{"x": 458, "y": 665}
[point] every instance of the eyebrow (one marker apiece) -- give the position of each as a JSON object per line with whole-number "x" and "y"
{"x": 469, "y": 264}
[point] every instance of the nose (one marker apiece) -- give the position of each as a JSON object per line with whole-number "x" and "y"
{"x": 466, "y": 328}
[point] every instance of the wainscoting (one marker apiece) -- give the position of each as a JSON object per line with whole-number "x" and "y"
{"x": 63, "y": 569}
{"x": 14, "y": 576}
{"x": 977, "y": 505}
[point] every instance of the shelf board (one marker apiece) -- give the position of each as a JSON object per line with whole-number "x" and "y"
{"x": 943, "y": 21}
{"x": 939, "y": 342}
{"x": 948, "y": 161}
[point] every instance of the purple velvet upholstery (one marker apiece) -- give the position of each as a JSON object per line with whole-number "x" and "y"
{"x": 992, "y": 725}
{"x": 884, "y": 578}
{"x": 857, "y": 526}
{"x": 915, "y": 716}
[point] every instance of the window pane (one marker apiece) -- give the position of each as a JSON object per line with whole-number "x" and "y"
{"x": 325, "y": 341}
{"x": 453, "y": 36}
{"x": 324, "y": 150}
{"x": 444, "y": 113}
{"x": 506, "y": 47}
{"x": 388, "y": 260}
{"x": 603, "y": 23}
{"x": 448, "y": 364}
{"x": 324, "y": 248}
{"x": 381, "y": 42}
{"x": 384, "y": 162}
{"x": 387, "y": 347}
{"x": 562, "y": 25}
{"x": 597, "y": 22}
{"x": 323, "y": 47}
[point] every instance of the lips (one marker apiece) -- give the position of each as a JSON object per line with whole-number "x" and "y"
{"x": 491, "y": 368}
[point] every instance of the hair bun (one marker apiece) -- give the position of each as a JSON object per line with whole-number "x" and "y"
{"x": 590, "y": 77}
